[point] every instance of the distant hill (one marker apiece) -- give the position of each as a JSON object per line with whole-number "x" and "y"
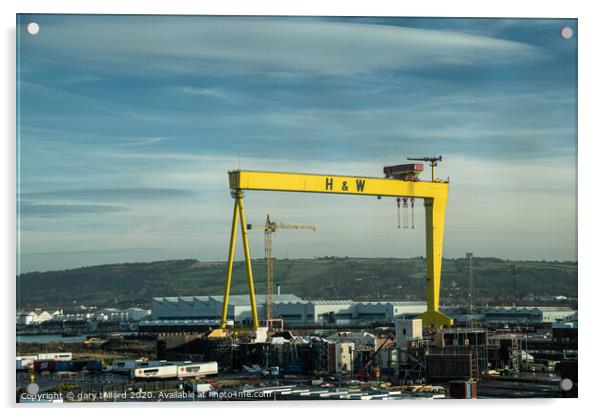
{"x": 129, "y": 284}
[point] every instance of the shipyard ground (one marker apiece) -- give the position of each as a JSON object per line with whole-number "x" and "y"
{"x": 537, "y": 379}
{"x": 112, "y": 387}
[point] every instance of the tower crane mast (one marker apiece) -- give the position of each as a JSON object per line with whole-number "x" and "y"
{"x": 269, "y": 230}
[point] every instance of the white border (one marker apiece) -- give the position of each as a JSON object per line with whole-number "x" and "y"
{"x": 589, "y": 177}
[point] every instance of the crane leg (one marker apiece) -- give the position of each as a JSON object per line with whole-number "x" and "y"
{"x": 435, "y": 222}
{"x": 245, "y": 243}
{"x": 230, "y": 263}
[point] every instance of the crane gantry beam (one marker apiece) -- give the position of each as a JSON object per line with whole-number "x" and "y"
{"x": 433, "y": 192}
{"x": 335, "y": 184}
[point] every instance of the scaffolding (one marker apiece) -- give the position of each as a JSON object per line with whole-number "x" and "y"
{"x": 412, "y": 362}
{"x": 465, "y": 340}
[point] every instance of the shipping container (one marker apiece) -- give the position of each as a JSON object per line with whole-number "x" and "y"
{"x": 63, "y": 366}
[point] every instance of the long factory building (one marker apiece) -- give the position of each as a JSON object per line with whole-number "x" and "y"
{"x": 291, "y": 308}
{"x": 295, "y": 310}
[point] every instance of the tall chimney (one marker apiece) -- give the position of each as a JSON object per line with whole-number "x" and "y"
{"x": 278, "y": 289}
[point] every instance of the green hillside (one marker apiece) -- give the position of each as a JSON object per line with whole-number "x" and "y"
{"x": 324, "y": 278}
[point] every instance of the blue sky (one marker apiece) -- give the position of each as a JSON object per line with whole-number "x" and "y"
{"x": 127, "y": 126}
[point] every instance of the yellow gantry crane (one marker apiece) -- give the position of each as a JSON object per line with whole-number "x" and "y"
{"x": 269, "y": 229}
{"x": 400, "y": 181}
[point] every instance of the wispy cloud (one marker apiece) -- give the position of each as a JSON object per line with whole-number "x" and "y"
{"x": 62, "y": 210}
{"x": 207, "y": 92}
{"x": 143, "y": 141}
{"x": 112, "y": 194}
{"x": 258, "y": 44}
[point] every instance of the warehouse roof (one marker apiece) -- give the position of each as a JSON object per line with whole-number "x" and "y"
{"x": 395, "y": 303}
{"x": 239, "y": 300}
{"x": 243, "y": 300}
{"x": 528, "y": 309}
{"x": 331, "y": 302}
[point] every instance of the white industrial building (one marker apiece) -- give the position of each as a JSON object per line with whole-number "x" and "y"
{"x": 44, "y": 316}
{"x": 345, "y": 311}
{"x": 137, "y": 314}
{"x": 210, "y": 307}
{"x": 532, "y": 314}
{"x": 27, "y": 318}
{"x": 31, "y": 318}
{"x": 108, "y": 314}
{"x": 291, "y": 308}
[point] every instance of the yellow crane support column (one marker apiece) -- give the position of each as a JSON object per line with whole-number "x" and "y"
{"x": 239, "y": 211}
{"x": 435, "y": 221}
{"x": 245, "y": 244}
{"x": 230, "y": 263}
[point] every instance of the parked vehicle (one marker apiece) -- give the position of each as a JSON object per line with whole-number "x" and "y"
{"x": 176, "y": 370}
{"x": 197, "y": 369}
{"x": 58, "y": 356}
{"x": 166, "y": 371}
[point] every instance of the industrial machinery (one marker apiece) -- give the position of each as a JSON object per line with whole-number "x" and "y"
{"x": 407, "y": 172}
{"x": 269, "y": 229}
{"x": 396, "y": 184}
{"x": 433, "y": 162}
{"x": 364, "y": 372}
